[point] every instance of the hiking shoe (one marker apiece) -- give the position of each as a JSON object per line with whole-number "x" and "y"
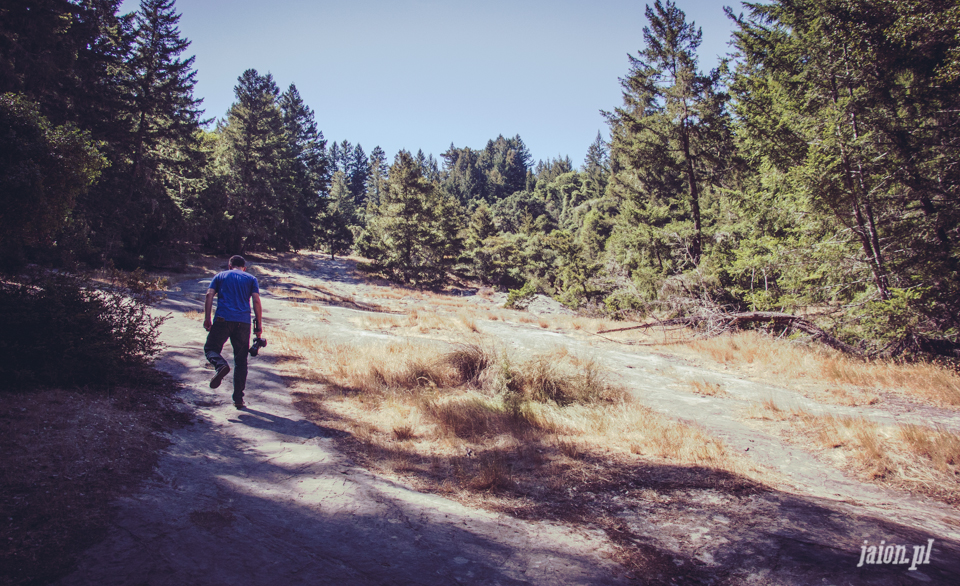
{"x": 221, "y": 372}
{"x": 239, "y": 405}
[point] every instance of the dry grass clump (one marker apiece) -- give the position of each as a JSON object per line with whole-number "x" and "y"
{"x": 469, "y": 321}
{"x": 514, "y": 433}
{"x": 924, "y": 380}
{"x": 522, "y": 417}
{"x": 918, "y": 458}
{"x": 708, "y": 389}
{"x": 421, "y": 321}
{"x": 789, "y": 360}
{"x": 775, "y": 356}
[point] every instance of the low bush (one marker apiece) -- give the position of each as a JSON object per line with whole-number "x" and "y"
{"x": 521, "y": 298}
{"x": 63, "y": 330}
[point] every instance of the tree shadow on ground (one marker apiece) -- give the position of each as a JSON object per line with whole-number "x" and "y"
{"x": 672, "y": 524}
{"x": 219, "y": 513}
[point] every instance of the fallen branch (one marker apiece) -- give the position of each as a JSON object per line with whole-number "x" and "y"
{"x": 717, "y": 323}
{"x": 794, "y": 322}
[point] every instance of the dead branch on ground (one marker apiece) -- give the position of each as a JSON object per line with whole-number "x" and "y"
{"x": 714, "y": 323}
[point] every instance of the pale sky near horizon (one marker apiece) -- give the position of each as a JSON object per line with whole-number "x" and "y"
{"x": 422, "y": 74}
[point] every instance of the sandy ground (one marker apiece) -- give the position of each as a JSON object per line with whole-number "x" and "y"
{"x": 263, "y": 497}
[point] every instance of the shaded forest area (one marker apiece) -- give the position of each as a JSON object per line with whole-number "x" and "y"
{"x": 813, "y": 173}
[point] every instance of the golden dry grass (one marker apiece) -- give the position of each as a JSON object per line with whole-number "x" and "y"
{"x": 828, "y": 376}
{"x": 444, "y": 401}
{"x": 707, "y": 389}
{"x": 914, "y": 457}
{"x": 420, "y": 321}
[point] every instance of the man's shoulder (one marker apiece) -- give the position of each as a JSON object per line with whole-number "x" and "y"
{"x": 219, "y": 277}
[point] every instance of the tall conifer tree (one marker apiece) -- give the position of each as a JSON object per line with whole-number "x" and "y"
{"x": 165, "y": 120}
{"x": 413, "y": 233}
{"x": 377, "y": 175}
{"x": 256, "y": 165}
{"x": 668, "y": 143}
{"x": 310, "y": 173}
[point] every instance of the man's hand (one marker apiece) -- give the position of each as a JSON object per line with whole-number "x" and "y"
{"x": 257, "y": 314}
{"x": 207, "y": 324}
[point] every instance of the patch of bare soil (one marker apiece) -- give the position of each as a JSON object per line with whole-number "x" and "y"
{"x": 65, "y": 457}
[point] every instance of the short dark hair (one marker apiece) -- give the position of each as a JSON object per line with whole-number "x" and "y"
{"x": 237, "y": 261}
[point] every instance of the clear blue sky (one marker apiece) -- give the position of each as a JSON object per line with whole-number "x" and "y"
{"x": 420, "y": 74}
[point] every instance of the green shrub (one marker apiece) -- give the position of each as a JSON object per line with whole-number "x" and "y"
{"x": 62, "y": 330}
{"x": 521, "y": 298}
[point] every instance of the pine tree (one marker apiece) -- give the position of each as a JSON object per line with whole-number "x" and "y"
{"x": 413, "y": 234}
{"x": 165, "y": 123}
{"x": 308, "y": 148}
{"x": 256, "y": 167}
{"x": 67, "y": 61}
{"x": 848, "y": 114}
{"x": 376, "y": 176}
{"x": 669, "y": 143}
{"x": 93, "y": 93}
{"x": 340, "y": 215}
{"x": 596, "y": 167}
{"x": 505, "y": 162}
{"x": 334, "y": 158}
{"x": 343, "y": 157}
{"x": 357, "y": 175}
{"x": 463, "y": 180}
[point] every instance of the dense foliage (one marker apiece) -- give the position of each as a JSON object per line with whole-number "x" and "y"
{"x": 64, "y": 330}
{"x": 813, "y": 172}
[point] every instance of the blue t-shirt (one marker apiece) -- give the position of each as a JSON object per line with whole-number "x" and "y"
{"x": 234, "y": 289}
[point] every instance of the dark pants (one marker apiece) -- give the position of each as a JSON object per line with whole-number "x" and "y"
{"x": 239, "y": 335}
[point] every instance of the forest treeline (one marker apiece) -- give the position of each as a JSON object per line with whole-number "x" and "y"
{"x": 814, "y": 172}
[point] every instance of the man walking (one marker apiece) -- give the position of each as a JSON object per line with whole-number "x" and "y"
{"x": 234, "y": 288}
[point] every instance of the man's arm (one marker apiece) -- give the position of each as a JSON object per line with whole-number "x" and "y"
{"x": 207, "y": 309}
{"x": 258, "y": 313}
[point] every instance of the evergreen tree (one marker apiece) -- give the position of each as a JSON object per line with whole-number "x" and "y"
{"x": 94, "y": 94}
{"x": 669, "y": 143}
{"x": 256, "y": 167}
{"x": 550, "y": 169}
{"x": 463, "y": 178}
{"x": 492, "y": 257}
{"x": 342, "y": 157}
{"x": 165, "y": 122}
{"x": 412, "y": 235}
{"x": 357, "y": 174}
{"x": 69, "y": 60}
{"x": 376, "y": 175}
{"x": 851, "y": 112}
{"x": 42, "y": 170}
{"x": 340, "y": 215}
{"x": 335, "y": 158}
{"x": 310, "y": 175}
{"x": 596, "y": 168}
{"x": 505, "y": 162}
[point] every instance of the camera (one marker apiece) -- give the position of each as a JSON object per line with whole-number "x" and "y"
{"x": 258, "y": 343}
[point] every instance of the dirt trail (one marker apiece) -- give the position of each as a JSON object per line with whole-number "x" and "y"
{"x": 262, "y": 497}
